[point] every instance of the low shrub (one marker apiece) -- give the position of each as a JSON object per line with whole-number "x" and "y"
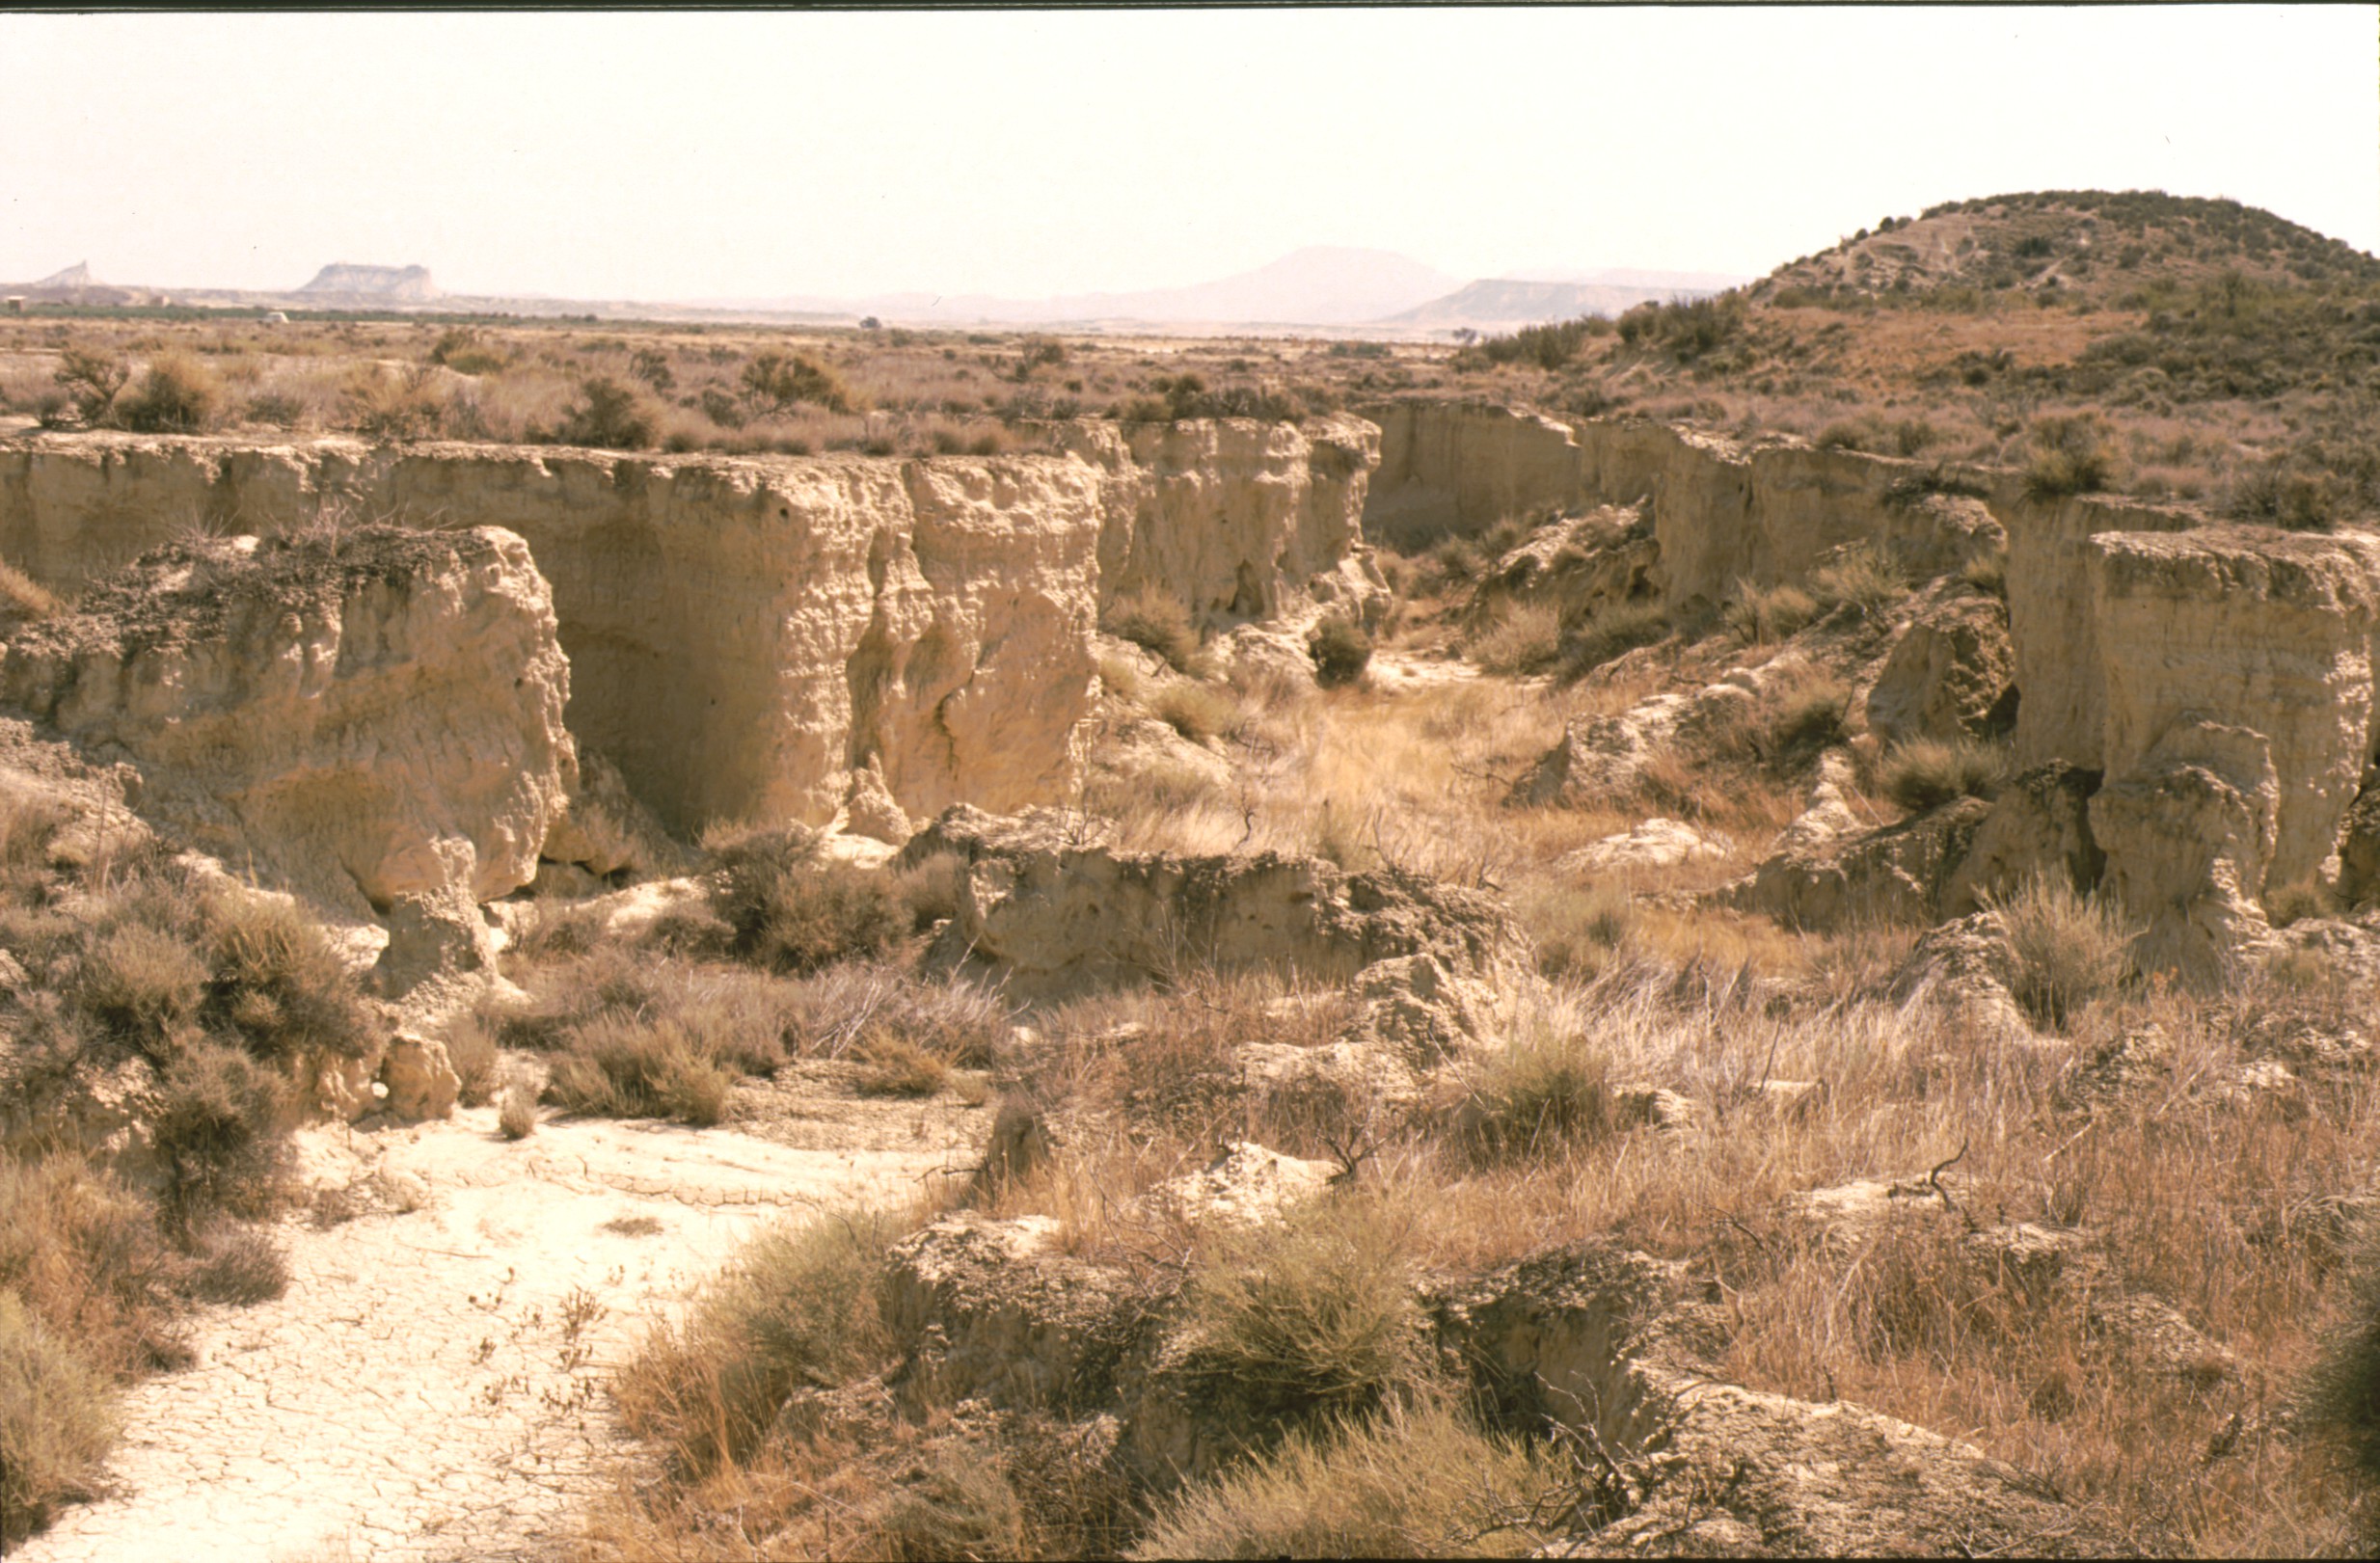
{"x": 280, "y": 985}
{"x": 893, "y": 1066}
{"x": 609, "y": 416}
{"x": 1860, "y": 576}
{"x": 797, "y": 1308}
{"x": 1610, "y": 633}
{"x": 1419, "y": 1483}
{"x": 1761, "y": 616}
{"x": 1157, "y": 624}
{"x": 2069, "y": 948}
{"x": 1197, "y": 712}
{"x": 178, "y": 395}
{"x": 2342, "y": 1388}
{"x": 517, "y": 1119}
{"x": 58, "y": 1419}
{"x": 239, "y": 1264}
{"x": 780, "y": 382}
{"x": 477, "y": 1068}
{"x": 791, "y": 910}
{"x": 2072, "y": 454}
{"x": 1542, "y": 1091}
{"x": 1924, "y": 774}
{"x": 141, "y": 987}
{"x": 216, "y": 1130}
{"x": 1576, "y": 927}
{"x": 394, "y": 407}
{"x": 1523, "y": 638}
{"x": 1340, "y": 649}
{"x": 1309, "y": 1319}
{"x": 679, "y": 1065}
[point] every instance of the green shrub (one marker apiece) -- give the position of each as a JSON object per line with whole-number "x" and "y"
{"x": 2069, "y": 948}
{"x": 1420, "y": 1483}
{"x": 797, "y": 1308}
{"x": 95, "y": 380}
{"x": 1310, "y": 1318}
{"x": 178, "y": 395}
{"x": 1340, "y": 649}
{"x": 609, "y": 416}
{"x": 792, "y": 912}
{"x": 1157, "y": 624}
{"x": 58, "y": 1419}
{"x": 2072, "y": 454}
{"x": 1924, "y": 774}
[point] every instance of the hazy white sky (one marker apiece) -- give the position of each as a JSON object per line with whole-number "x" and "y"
{"x": 677, "y": 156}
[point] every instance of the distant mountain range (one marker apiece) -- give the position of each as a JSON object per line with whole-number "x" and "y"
{"x": 1337, "y": 291}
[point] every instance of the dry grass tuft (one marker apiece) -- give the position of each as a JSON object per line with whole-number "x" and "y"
{"x": 1411, "y": 1483}
{"x": 797, "y": 1308}
{"x": 1924, "y": 774}
{"x": 2070, "y": 950}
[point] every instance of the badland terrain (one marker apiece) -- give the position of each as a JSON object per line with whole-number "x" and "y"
{"x": 1747, "y": 928}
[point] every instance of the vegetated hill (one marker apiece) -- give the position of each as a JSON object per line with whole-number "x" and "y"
{"x": 2100, "y": 244}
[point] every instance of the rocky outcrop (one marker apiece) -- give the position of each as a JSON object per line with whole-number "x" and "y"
{"x": 1720, "y": 511}
{"x": 2040, "y": 824}
{"x": 785, "y": 638}
{"x": 1819, "y": 883}
{"x": 1576, "y": 566}
{"x": 1947, "y": 675}
{"x": 1238, "y": 519}
{"x": 2052, "y": 625}
{"x": 2190, "y": 833}
{"x": 1050, "y": 910}
{"x": 374, "y": 714}
{"x": 2248, "y": 628}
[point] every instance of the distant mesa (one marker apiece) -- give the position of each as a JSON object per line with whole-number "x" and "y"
{"x": 409, "y": 284}
{"x": 77, "y": 275}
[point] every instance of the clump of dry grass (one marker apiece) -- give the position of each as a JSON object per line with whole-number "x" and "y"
{"x": 1546, "y": 1088}
{"x": 1925, "y": 773}
{"x": 1422, "y": 1482}
{"x": 799, "y": 1306}
{"x": 1160, "y": 625}
{"x": 1310, "y": 1320}
{"x": 1522, "y": 638}
{"x": 1197, "y": 712}
{"x": 893, "y": 1066}
{"x": 2069, "y": 950}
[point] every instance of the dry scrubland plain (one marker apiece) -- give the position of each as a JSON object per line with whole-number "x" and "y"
{"x": 1745, "y": 931}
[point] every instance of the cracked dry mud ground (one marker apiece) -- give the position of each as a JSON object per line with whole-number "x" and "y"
{"x": 431, "y": 1385}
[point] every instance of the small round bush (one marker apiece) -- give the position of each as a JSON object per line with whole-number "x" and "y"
{"x": 1340, "y": 649}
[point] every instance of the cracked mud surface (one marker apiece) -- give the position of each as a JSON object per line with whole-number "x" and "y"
{"x": 431, "y": 1386}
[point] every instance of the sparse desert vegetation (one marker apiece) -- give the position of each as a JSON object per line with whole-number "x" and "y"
{"x": 983, "y": 1002}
